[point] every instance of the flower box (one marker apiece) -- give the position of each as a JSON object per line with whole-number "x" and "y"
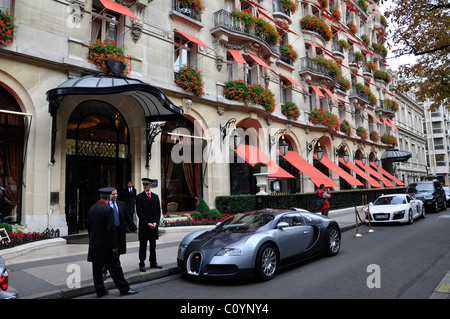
{"x": 7, "y": 28}
{"x": 321, "y": 117}
{"x": 312, "y": 23}
{"x": 290, "y": 110}
{"x": 190, "y": 79}
{"x": 100, "y": 52}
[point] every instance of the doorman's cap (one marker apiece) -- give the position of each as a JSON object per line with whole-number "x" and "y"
{"x": 146, "y": 180}
{"x": 106, "y": 190}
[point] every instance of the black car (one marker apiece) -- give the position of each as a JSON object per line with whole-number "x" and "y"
{"x": 431, "y": 193}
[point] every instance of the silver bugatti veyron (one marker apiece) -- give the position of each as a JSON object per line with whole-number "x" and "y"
{"x": 258, "y": 244}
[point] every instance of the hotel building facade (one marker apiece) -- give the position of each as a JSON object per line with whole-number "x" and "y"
{"x": 309, "y": 74}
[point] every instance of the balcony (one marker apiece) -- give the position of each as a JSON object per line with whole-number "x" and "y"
{"x": 236, "y": 31}
{"x": 382, "y": 108}
{"x": 315, "y": 72}
{"x": 281, "y": 14}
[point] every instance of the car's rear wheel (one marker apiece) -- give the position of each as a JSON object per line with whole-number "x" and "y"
{"x": 333, "y": 241}
{"x": 266, "y": 262}
{"x": 422, "y": 215}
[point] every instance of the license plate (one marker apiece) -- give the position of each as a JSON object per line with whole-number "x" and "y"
{"x": 381, "y": 216}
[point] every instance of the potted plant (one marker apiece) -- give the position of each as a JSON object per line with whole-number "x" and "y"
{"x": 7, "y": 28}
{"x": 346, "y": 128}
{"x": 336, "y": 13}
{"x": 289, "y": 5}
{"x": 102, "y": 51}
{"x": 361, "y": 132}
{"x": 288, "y": 53}
{"x": 312, "y": 23}
{"x": 391, "y": 104}
{"x": 344, "y": 44}
{"x": 190, "y": 79}
{"x": 388, "y": 139}
{"x": 263, "y": 96}
{"x": 321, "y": 117}
{"x": 290, "y": 110}
{"x": 352, "y": 26}
{"x": 382, "y": 75}
{"x": 196, "y": 6}
{"x": 260, "y": 167}
{"x": 374, "y": 136}
{"x": 261, "y": 174}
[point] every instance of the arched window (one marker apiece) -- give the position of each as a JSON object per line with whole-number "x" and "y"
{"x": 12, "y": 141}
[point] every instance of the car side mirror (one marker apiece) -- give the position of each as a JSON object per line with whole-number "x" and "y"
{"x": 282, "y": 225}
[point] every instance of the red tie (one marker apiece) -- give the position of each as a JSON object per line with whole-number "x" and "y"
{"x": 149, "y": 196}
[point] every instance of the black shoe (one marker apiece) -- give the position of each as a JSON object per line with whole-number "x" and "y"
{"x": 129, "y": 292}
{"x": 101, "y": 294}
{"x": 141, "y": 267}
{"x": 156, "y": 266}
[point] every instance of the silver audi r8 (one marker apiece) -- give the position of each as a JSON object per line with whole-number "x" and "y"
{"x": 258, "y": 243}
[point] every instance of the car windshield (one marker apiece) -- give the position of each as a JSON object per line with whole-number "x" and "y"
{"x": 390, "y": 200}
{"x": 245, "y": 223}
{"x": 420, "y": 188}
{"x": 447, "y": 189}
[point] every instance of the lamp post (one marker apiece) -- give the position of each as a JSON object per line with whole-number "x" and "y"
{"x": 273, "y": 139}
{"x": 319, "y": 152}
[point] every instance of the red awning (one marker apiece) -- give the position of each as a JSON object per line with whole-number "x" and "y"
{"x": 261, "y": 62}
{"x": 338, "y": 170}
{"x": 358, "y": 171}
{"x": 317, "y": 90}
{"x": 313, "y": 44}
{"x": 331, "y": 94}
{"x": 375, "y": 118}
{"x": 291, "y": 80}
{"x": 117, "y": 7}
{"x": 193, "y": 39}
{"x": 252, "y": 155}
{"x": 372, "y": 172}
{"x": 392, "y": 123}
{"x": 386, "y": 121}
{"x": 237, "y": 56}
{"x": 381, "y": 170}
{"x": 309, "y": 170}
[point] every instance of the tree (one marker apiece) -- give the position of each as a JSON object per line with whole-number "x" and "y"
{"x": 422, "y": 28}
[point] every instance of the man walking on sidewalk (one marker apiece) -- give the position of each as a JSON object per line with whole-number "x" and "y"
{"x": 325, "y": 194}
{"x": 148, "y": 210}
{"x": 103, "y": 245}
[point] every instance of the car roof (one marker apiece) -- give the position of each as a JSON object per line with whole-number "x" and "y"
{"x": 389, "y": 195}
{"x": 270, "y": 211}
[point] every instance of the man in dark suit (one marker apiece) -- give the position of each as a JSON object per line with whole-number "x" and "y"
{"x": 103, "y": 245}
{"x": 129, "y": 197}
{"x": 122, "y": 221}
{"x": 148, "y": 210}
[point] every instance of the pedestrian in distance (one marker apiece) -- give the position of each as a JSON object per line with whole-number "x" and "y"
{"x": 122, "y": 222}
{"x": 323, "y": 202}
{"x": 129, "y": 197}
{"x": 103, "y": 245}
{"x": 148, "y": 209}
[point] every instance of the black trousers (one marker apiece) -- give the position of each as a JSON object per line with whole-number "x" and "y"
{"x": 143, "y": 251}
{"x": 116, "y": 272}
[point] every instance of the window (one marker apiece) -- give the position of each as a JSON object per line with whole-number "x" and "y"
{"x": 293, "y": 219}
{"x": 182, "y": 53}
{"x": 106, "y": 25}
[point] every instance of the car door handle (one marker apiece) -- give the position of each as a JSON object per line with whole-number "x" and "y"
{"x": 306, "y": 232}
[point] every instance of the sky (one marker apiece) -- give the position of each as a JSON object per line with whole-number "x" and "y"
{"x": 392, "y": 61}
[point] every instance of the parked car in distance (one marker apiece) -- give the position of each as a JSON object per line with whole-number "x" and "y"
{"x": 447, "y": 194}
{"x": 431, "y": 193}
{"x": 401, "y": 208}
{"x": 257, "y": 243}
{"x": 6, "y": 292}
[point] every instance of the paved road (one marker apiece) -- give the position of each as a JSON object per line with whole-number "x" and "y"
{"x": 394, "y": 259}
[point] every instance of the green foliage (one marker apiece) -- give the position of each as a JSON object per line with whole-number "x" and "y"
{"x": 196, "y": 214}
{"x": 7, "y": 227}
{"x": 203, "y": 208}
{"x": 213, "y": 214}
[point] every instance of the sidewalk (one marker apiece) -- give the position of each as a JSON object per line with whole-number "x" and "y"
{"x": 48, "y": 269}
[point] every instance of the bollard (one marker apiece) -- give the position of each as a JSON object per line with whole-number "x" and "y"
{"x": 356, "y": 222}
{"x": 370, "y": 230}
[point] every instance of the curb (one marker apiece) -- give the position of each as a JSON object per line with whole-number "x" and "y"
{"x": 26, "y": 248}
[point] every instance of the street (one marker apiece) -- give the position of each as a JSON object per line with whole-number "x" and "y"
{"x": 389, "y": 263}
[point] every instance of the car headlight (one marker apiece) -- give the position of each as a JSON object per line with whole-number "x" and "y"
{"x": 428, "y": 197}
{"x": 181, "y": 250}
{"x": 229, "y": 252}
{"x": 400, "y": 212}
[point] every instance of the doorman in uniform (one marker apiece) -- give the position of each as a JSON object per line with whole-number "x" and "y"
{"x": 148, "y": 209}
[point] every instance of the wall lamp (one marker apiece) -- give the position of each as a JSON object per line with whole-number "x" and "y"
{"x": 312, "y": 145}
{"x": 235, "y": 138}
{"x": 283, "y": 146}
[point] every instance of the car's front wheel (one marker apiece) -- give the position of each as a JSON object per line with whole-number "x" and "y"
{"x": 266, "y": 262}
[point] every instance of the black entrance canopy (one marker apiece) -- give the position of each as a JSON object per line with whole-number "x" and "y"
{"x": 157, "y": 107}
{"x": 396, "y": 155}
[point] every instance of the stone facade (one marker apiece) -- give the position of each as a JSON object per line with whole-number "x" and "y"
{"x": 51, "y": 46}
